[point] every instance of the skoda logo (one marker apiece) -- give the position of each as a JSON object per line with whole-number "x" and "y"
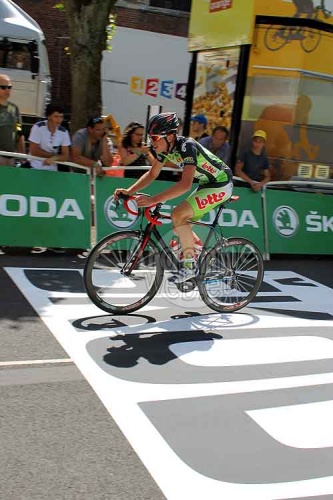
{"x": 117, "y": 215}
{"x": 285, "y": 220}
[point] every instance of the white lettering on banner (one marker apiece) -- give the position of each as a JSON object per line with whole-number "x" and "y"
{"x": 230, "y": 218}
{"x": 22, "y": 205}
{"x": 36, "y": 201}
{"x": 327, "y": 224}
{"x": 318, "y": 223}
{"x": 32, "y": 206}
{"x": 70, "y": 208}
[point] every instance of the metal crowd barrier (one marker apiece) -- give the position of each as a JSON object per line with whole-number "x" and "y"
{"x": 318, "y": 211}
{"x": 21, "y": 156}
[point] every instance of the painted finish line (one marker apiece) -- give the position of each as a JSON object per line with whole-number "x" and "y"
{"x": 198, "y": 393}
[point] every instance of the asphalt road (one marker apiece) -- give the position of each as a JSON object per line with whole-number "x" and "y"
{"x": 174, "y": 401}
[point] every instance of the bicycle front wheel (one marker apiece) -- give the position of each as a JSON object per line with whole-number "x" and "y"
{"x": 275, "y": 38}
{"x": 119, "y": 277}
{"x": 230, "y": 275}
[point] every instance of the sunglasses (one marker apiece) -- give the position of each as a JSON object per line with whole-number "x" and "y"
{"x": 156, "y": 138}
{"x": 6, "y": 87}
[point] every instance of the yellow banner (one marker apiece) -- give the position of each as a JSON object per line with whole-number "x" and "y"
{"x": 220, "y": 23}
{"x": 227, "y": 23}
{"x": 320, "y": 10}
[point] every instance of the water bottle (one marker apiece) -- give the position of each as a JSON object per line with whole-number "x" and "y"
{"x": 176, "y": 248}
{"x": 198, "y": 248}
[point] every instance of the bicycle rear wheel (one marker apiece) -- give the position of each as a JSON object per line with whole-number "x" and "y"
{"x": 109, "y": 282}
{"x": 230, "y": 275}
{"x": 311, "y": 40}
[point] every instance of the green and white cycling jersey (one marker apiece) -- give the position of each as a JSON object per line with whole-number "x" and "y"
{"x": 214, "y": 176}
{"x": 208, "y": 167}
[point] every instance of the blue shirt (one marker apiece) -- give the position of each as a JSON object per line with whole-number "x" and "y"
{"x": 254, "y": 164}
{"x": 223, "y": 152}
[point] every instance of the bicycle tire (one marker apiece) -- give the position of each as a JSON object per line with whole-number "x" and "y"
{"x": 310, "y": 36}
{"x": 273, "y": 39}
{"x": 224, "y": 288}
{"x": 107, "y": 287}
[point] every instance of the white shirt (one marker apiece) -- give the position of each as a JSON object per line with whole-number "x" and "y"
{"x": 48, "y": 141}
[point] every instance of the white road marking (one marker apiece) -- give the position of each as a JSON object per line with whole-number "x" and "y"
{"x": 254, "y": 351}
{"x": 306, "y": 425}
{"x": 121, "y": 397}
{"x": 36, "y": 362}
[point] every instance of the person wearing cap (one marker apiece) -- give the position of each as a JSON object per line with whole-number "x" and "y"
{"x": 253, "y": 165}
{"x": 198, "y": 126}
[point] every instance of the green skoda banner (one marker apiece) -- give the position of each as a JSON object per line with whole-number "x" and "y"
{"x": 42, "y": 208}
{"x": 240, "y": 218}
{"x": 299, "y": 223}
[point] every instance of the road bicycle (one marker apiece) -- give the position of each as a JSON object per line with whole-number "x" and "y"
{"x": 277, "y": 37}
{"x": 126, "y": 269}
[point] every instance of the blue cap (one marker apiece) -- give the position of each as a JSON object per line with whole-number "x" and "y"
{"x": 200, "y": 119}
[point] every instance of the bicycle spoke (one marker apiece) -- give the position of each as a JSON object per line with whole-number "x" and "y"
{"x": 231, "y": 275}
{"x": 112, "y": 282}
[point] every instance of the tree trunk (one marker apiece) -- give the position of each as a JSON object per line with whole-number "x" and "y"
{"x": 87, "y": 22}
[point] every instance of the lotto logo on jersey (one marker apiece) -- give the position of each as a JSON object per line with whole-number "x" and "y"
{"x": 209, "y": 168}
{"x": 211, "y": 199}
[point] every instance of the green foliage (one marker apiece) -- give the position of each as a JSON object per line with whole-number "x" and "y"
{"x": 59, "y": 6}
{"x": 110, "y": 31}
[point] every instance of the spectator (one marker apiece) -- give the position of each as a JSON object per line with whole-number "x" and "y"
{"x": 18, "y": 59}
{"x": 91, "y": 146}
{"x": 11, "y": 136}
{"x": 49, "y": 140}
{"x": 252, "y": 165}
{"x": 217, "y": 143}
{"x": 133, "y": 151}
{"x": 199, "y": 124}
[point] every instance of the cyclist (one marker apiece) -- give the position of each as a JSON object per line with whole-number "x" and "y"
{"x": 304, "y": 7}
{"x": 196, "y": 162}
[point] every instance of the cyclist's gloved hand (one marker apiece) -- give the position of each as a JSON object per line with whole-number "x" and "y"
{"x": 120, "y": 191}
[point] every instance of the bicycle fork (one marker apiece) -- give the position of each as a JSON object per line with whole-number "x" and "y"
{"x": 137, "y": 252}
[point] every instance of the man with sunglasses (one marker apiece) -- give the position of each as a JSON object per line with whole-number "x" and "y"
{"x": 11, "y": 137}
{"x": 195, "y": 162}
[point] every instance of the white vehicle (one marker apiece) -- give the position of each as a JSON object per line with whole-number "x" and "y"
{"x": 144, "y": 69}
{"x": 23, "y": 57}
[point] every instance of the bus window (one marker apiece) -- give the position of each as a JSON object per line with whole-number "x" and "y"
{"x": 18, "y": 57}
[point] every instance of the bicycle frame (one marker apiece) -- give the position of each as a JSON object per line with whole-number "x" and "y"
{"x": 151, "y": 230}
{"x": 139, "y": 261}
